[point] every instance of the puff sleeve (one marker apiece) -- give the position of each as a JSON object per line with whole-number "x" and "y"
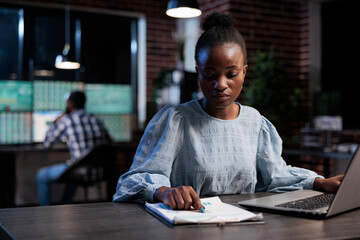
{"x": 154, "y": 158}
{"x": 273, "y": 175}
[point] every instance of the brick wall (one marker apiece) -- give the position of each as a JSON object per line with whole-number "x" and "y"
{"x": 208, "y": 6}
{"x": 282, "y": 25}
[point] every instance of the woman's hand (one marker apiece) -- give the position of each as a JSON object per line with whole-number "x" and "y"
{"x": 330, "y": 185}
{"x": 182, "y": 197}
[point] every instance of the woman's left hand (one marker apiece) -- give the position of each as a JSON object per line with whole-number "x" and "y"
{"x": 330, "y": 185}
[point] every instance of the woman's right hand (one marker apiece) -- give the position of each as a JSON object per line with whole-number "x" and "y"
{"x": 182, "y": 197}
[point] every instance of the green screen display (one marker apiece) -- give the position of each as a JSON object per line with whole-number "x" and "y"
{"x": 51, "y": 95}
{"x": 108, "y": 98}
{"x": 21, "y": 103}
{"x": 15, "y": 96}
{"x": 118, "y": 126}
{"x": 15, "y": 127}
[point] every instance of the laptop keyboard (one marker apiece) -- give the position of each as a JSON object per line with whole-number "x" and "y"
{"x": 310, "y": 203}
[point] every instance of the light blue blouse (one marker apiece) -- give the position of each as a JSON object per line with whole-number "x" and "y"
{"x": 183, "y": 145}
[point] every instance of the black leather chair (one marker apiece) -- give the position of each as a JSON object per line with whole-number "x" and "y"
{"x": 92, "y": 168}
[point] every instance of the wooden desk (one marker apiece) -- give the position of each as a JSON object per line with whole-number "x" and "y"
{"x": 128, "y": 221}
{"x": 18, "y": 166}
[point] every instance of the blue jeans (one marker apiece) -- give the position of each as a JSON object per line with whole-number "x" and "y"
{"x": 45, "y": 177}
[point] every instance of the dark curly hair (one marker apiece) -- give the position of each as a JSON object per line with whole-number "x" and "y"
{"x": 219, "y": 29}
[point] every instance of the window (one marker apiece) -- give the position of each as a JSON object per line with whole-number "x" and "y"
{"x": 100, "y": 42}
{"x": 12, "y": 28}
{"x": 109, "y": 46}
{"x": 333, "y": 59}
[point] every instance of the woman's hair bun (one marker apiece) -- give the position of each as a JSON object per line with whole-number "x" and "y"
{"x": 217, "y": 20}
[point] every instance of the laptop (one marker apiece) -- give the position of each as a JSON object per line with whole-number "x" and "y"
{"x": 314, "y": 203}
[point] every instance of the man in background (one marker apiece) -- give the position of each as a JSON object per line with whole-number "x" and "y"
{"x": 81, "y": 131}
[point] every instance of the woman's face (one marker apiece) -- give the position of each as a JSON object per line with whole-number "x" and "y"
{"x": 221, "y": 72}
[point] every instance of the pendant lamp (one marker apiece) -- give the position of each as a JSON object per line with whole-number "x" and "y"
{"x": 183, "y": 9}
{"x": 62, "y": 61}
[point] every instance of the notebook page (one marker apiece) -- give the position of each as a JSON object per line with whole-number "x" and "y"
{"x": 215, "y": 212}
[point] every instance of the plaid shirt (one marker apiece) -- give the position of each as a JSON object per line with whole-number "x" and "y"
{"x": 81, "y": 131}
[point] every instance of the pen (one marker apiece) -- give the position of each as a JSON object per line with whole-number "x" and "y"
{"x": 202, "y": 209}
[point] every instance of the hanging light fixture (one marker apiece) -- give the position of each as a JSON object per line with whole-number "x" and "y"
{"x": 62, "y": 61}
{"x": 183, "y": 9}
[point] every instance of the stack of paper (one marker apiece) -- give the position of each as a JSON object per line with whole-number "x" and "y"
{"x": 215, "y": 212}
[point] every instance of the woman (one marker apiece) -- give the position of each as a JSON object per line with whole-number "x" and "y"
{"x": 213, "y": 146}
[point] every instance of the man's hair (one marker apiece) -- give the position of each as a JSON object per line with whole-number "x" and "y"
{"x": 219, "y": 29}
{"x": 78, "y": 98}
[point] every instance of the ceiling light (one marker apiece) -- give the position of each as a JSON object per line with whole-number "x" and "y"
{"x": 62, "y": 61}
{"x": 183, "y": 9}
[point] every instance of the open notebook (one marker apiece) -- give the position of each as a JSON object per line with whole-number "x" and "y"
{"x": 215, "y": 212}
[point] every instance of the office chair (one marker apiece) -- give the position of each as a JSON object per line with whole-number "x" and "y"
{"x": 93, "y": 167}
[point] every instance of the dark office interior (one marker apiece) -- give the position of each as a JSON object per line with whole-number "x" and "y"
{"x": 133, "y": 59}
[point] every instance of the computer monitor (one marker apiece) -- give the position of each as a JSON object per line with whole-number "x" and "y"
{"x": 15, "y": 128}
{"x": 15, "y": 95}
{"x": 41, "y": 121}
{"x": 51, "y": 95}
{"x": 118, "y": 126}
{"x": 108, "y": 98}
